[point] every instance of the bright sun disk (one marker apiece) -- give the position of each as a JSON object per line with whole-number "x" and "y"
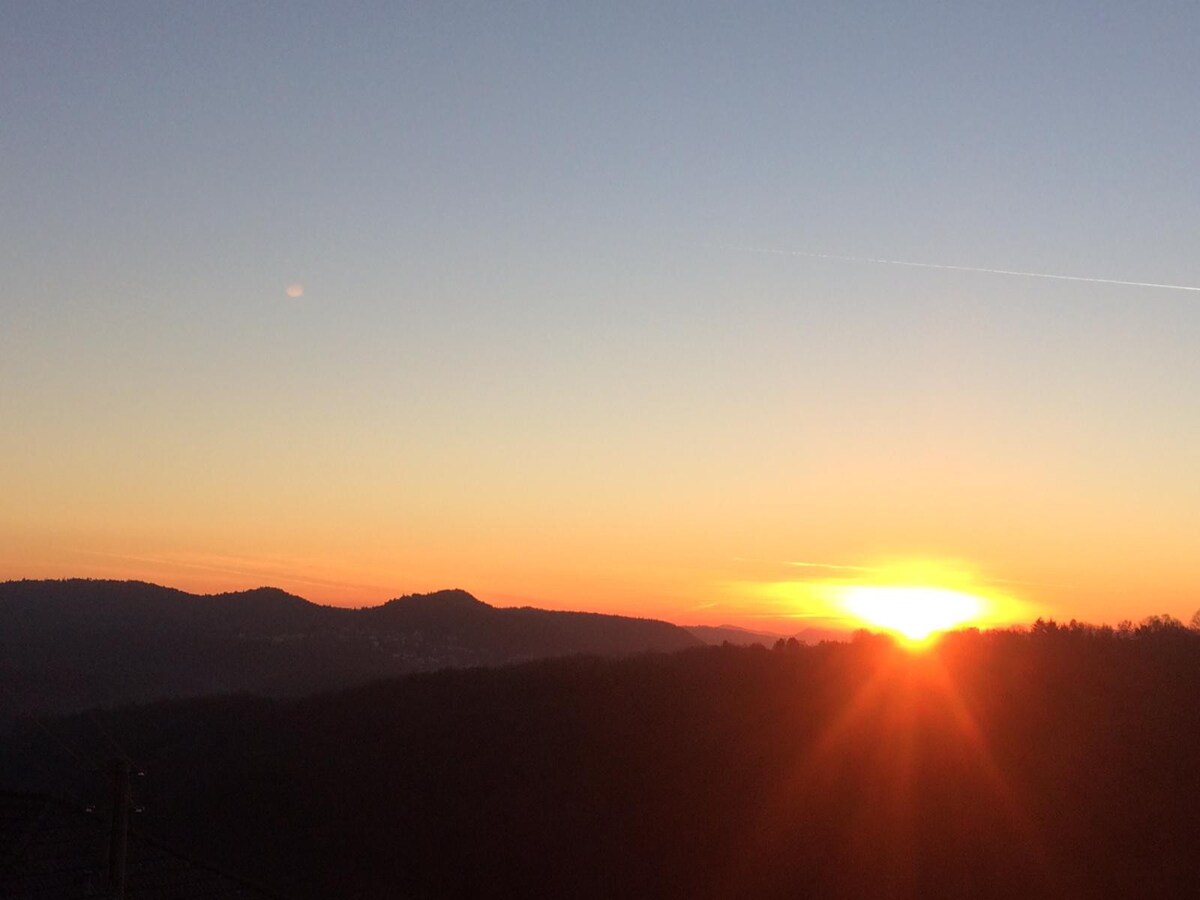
{"x": 913, "y": 612}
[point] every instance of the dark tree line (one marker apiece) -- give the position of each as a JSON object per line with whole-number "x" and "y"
{"x": 1053, "y": 761}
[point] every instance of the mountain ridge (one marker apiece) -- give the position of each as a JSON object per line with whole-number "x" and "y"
{"x": 70, "y": 644}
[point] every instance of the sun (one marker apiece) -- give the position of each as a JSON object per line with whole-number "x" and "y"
{"x": 914, "y": 613}
{"x": 913, "y": 599}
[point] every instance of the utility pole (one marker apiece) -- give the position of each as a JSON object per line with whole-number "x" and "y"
{"x": 118, "y": 834}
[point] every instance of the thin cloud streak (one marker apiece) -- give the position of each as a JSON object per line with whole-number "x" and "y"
{"x": 820, "y": 565}
{"x": 952, "y": 268}
{"x": 248, "y": 571}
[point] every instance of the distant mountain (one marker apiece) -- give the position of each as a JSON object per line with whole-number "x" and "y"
{"x": 73, "y": 644}
{"x": 731, "y": 634}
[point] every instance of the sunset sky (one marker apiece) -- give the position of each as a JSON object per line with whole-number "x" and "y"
{"x": 360, "y": 300}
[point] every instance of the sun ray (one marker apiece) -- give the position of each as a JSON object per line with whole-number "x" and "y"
{"x": 882, "y": 747}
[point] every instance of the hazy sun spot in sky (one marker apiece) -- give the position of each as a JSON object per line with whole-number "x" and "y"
{"x": 295, "y": 290}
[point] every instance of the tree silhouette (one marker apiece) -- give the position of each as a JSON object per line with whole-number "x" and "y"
{"x": 1195, "y": 622}
{"x": 687, "y": 775}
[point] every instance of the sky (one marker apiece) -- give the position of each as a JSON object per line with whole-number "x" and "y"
{"x": 570, "y": 305}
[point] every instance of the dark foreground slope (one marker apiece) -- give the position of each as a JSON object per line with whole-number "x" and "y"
{"x": 1055, "y": 763}
{"x": 70, "y": 645}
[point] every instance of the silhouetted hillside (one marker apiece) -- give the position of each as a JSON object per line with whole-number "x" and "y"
{"x": 1057, "y": 762}
{"x": 67, "y": 645}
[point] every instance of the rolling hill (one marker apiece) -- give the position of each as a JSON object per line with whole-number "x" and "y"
{"x": 74, "y": 644}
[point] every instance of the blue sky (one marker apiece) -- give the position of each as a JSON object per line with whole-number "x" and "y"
{"x": 521, "y": 231}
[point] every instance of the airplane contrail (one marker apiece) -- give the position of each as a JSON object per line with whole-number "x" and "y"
{"x": 928, "y": 265}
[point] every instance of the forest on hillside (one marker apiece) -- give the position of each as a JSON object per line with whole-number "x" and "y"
{"x": 1052, "y": 761}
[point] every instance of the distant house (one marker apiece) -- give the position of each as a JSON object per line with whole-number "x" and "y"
{"x": 50, "y": 850}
